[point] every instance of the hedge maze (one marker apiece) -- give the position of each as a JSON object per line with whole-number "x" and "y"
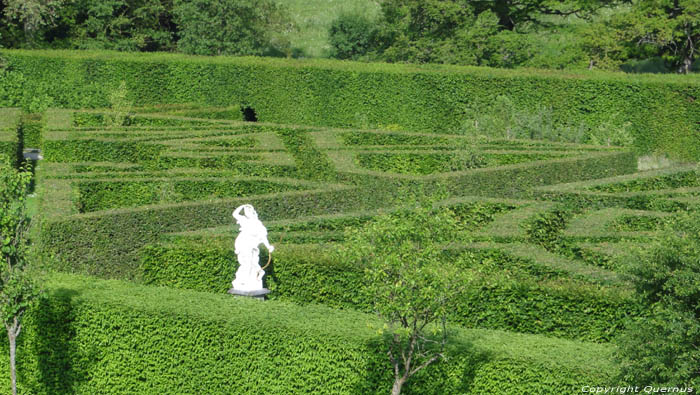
{"x": 134, "y": 212}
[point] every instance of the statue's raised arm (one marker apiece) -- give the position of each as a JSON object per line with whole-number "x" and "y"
{"x": 237, "y": 213}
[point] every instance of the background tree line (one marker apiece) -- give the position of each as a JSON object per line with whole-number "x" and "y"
{"x": 218, "y": 27}
{"x": 647, "y": 35}
{"x": 572, "y": 34}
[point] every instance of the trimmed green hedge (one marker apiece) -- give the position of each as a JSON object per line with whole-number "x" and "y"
{"x": 509, "y": 293}
{"x": 30, "y": 129}
{"x": 92, "y": 150}
{"x": 469, "y": 215}
{"x": 429, "y": 163}
{"x": 514, "y": 181}
{"x": 10, "y": 143}
{"x": 153, "y": 156}
{"x": 583, "y": 199}
{"x": 367, "y": 138}
{"x": 103, "y": 195}
{"x": 107, "y": 243}
{"x": 240, "y": 142}
{"x": 90, "y": 119}
{"x": 90, "y": 336}
{"x": 681, "y": 179}
{"x": 662, "y": 110}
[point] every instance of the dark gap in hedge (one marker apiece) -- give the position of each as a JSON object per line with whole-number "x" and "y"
{"x": 249, "y": 114}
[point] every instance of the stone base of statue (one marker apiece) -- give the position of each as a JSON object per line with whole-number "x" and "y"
{"x": 257, "y": 294}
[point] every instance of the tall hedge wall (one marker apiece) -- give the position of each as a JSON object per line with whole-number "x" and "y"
{"x": 663, "y": 110}
{"x": 90, "y": 336}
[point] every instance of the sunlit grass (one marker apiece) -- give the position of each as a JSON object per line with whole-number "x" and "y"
{"x": 313, "y": 18}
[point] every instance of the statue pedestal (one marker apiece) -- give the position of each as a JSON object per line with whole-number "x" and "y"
{"x": 257, "y": 294}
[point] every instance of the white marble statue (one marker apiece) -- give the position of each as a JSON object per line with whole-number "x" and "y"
{"x": 249, "y": 275}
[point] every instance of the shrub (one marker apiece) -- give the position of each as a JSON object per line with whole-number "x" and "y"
{"x": 350, "y": 36}
{"x": 504, "y": 119}
{"x": 664, "y": 348}
{"x": 103, "y": 195}
{"x": 312, "y": 163}
{"x": 31, "y": 127}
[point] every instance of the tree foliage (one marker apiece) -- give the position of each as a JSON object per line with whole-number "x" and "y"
{"x": 126, "y": 25}
{"x": 230, "y": 27}
{"x": 410, "y": 281}
{"x": 31, "y": 15}
{"x": 17, "y": 289}
{"x": 664, "y": 349}
{"x": 669, "y": 29}
{"x": 453, "y": 32}
{"x": 350, "y": 36}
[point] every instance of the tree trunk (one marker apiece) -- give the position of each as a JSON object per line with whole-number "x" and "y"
{"x": 13, "y": 346}
{"x": 396, "y": 390}
{"x": 685, "y": 66}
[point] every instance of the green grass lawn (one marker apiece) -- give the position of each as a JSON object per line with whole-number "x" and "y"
{"x": 313, "y": 18}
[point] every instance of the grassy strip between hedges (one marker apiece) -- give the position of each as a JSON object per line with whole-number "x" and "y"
{"x": 90, "y": 336}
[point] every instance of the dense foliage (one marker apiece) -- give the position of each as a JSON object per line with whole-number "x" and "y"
{"x": 573, "y": 34}
{"x": 18, "y": 291}
{"x": 507, "y": 292}
{"x": 225, "y": 27}
{"x": 240, "y": 27}
{"x": 664, "y": 349}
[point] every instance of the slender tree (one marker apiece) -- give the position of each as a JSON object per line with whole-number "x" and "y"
{"x": 411, "y": 284}
{"x": 17, "y": 290}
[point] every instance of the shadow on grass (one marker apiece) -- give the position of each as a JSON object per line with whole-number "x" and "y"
{"x": 452, "y": 375}
{"x": 54, "y": 347}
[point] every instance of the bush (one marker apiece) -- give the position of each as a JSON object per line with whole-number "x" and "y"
{"x": 429, "y": 163}
{"x": 350, "y": 36}
{"x": 506, "y": 120}
{"x": 107, "y": 243}
{"x": 664, "y": 349}
{"x": 312, "y": 163}
{"x": 10, "y": 144}
{"x": 366, "y": 138}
